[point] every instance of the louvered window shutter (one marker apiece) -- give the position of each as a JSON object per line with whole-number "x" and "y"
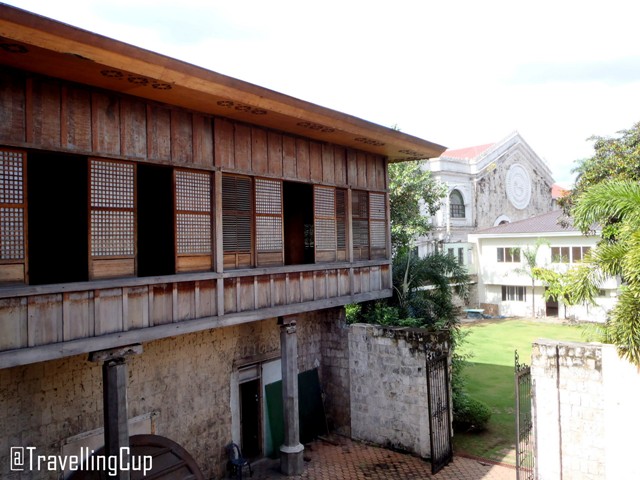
{"x": 360, "y": 223}
{"x": 193, "y": 220}
{"x": 13, "y": 204}
{"x": 236, "y": 221}
{"x": 325, "y": 224}
{"x": 269, "y": 222}
{"x": 341, "y": 224}
{"x": 378, "y": 225}
{"x": 112, "y": 218}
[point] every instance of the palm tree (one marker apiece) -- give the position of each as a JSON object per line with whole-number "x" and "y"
{"x": 615, "y": 205}
{"x": 423, "y": 287}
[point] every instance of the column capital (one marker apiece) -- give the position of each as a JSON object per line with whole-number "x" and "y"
{"x": 288, "y": 324}
{"x": 116, "y": 355}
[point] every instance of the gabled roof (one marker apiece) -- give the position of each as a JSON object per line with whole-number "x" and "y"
{"x": 545, "y": 223}
{"x": 44, "y": 46}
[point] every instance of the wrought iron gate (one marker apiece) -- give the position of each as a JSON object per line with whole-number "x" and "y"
{"x": 524, "y": 425}
{"x": 439, "y": 412}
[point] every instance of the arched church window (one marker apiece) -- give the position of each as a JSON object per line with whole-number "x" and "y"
{"x": 456, "y": 205}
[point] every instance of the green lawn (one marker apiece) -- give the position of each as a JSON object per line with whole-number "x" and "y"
{"x": 490, "y": 378}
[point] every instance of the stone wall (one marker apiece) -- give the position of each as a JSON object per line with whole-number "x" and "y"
{"x": 185, "y": 381}
{"x": 389, "y": 402}
{"x": 585, "y": 412}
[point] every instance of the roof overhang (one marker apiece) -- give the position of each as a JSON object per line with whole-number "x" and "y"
{"x": 44, "y": 46}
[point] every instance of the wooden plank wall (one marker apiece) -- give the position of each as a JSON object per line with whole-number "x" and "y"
{"x": 43, "y": 319}
{"x": 45, "y": 113}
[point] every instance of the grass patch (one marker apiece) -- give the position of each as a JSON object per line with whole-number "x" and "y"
{"x": 490, "y": 379}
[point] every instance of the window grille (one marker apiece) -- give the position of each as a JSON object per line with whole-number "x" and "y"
{"x": 456, "y": 205}
{"x": 12, "y": 206}
{"x": 193, "y": 212}
{"x": 325, "y": 218}
{"x": 112, "y": 208}
{"x": 268, "y": 215}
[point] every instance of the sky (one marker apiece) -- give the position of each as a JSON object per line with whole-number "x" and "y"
{"x": 458, "y": 73}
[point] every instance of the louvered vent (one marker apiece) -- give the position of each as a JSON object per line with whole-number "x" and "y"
{"x": 341, "y": 213}
{"x": 236, "y": 217}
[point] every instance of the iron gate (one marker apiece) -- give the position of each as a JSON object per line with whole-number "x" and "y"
{"x": 439, "y": 412}
{"x": 524, "y": 426}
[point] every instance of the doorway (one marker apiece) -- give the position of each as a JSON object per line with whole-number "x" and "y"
{"x": 250, "y": 419}
{"x": 298, "y": 223}
{"x": 552, "y": 308}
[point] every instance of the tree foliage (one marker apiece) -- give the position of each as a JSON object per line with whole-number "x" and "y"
{"x": 414, "y": 197}
{"x": 617, "y": 255}
{"x": 614, "y": 158}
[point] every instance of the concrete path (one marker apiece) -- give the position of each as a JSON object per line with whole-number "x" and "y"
{"x": 350, "y": 460}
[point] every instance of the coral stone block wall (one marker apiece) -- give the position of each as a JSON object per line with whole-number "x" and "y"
{"x": 585, "y": 412}
{"x": 389, "y": 401}
{"x": 183, "y": 383}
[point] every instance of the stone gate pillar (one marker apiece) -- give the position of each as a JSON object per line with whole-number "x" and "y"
{"x": 291, "y": 452}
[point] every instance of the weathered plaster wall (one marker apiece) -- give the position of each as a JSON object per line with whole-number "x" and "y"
{"x": 491, "y": 199}
{"x": 389, "y": 401}
{"x": 585, "y": 412}
{"x": 186, "y": 380}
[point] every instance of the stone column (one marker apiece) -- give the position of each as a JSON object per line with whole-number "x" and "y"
{"x": 291, "y": 452}
{"x": 114, "y": 400}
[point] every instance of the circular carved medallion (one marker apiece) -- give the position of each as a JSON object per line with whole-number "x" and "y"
{"x": 518, "y": 186}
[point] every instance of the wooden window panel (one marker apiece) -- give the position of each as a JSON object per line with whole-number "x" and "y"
{"x": 13, "y": 205}
{"x": 360, "y": 224}
{"x": 193, "y": 221}
{"x": 237, "y": 217}
{"x": 341, "y": 224}
{"x": 112, "y": 218}
{"x": 378, "y": 225}
{"x": 324, "y": 200}
{"x": 269, "y": 222}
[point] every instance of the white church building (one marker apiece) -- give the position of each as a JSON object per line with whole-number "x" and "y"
{"x": 502, "y": 199}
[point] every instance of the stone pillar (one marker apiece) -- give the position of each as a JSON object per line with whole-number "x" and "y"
{"x": 114, "y": 400}
{"x": 291, "y": 452}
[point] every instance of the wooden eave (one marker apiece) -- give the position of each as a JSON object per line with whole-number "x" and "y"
{"x": 41, "y": 45}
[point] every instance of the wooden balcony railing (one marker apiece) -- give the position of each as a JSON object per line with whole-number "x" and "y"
{"x": 39, "y": 323}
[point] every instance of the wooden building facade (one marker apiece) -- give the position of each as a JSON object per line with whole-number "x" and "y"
{"x": 143, "y": 198}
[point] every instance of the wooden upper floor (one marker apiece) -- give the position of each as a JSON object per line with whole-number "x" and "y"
{"x": 126, "y": 216}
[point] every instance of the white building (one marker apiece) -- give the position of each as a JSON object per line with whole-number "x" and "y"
{"x": 487, "y": 185}
{"x": 505, "y": 289}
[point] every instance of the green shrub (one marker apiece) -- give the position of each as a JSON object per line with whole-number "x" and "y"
{"x": 469, "y": 414}
{"x": 352, "y": 313}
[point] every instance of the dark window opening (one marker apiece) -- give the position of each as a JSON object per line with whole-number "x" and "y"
{"x": 156, "y": 237}
{"x": 57, "y": 218}
{"x": 456, "y": 205}
{"x": 298, "y": 223}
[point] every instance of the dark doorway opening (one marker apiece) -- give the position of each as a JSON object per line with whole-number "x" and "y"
{"x": 298, "y": 223}
{"x": 57, "y": 218}
{"x": 156, "y": 237}
{"x": 250, "y": 419}
{"x": 552, "y": 308}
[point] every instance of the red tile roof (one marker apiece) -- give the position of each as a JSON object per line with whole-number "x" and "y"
{"x": 558, "y": 192}
{"x": 467, "y": 153}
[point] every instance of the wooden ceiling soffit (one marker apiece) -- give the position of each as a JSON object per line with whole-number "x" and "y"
{"x": 43, "y": 46}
